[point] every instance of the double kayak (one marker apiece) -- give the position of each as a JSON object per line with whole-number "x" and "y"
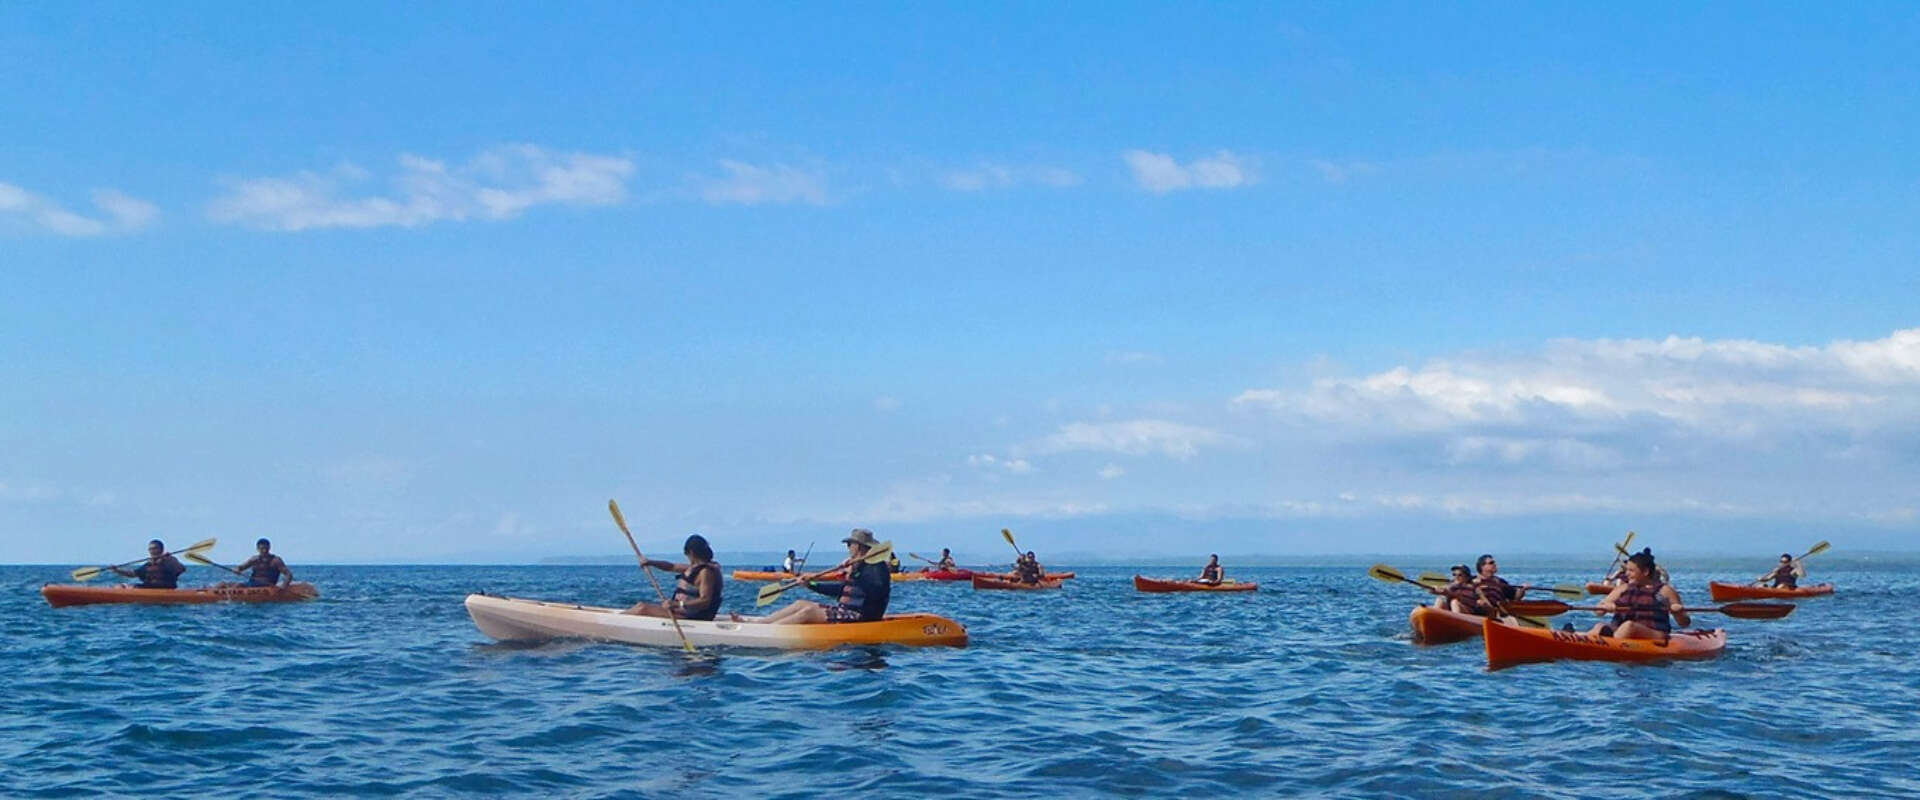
{"x": 1156, "y": 585}
{"x": 986, "y": 582}
{"x": 61, "y": 595}
{"x": 513, "y": 619}
{"x": 1723, "y": 592}
{"x": 1508, "y": 645}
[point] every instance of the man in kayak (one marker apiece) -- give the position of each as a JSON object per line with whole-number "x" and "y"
{"x": 1494, "y": 591}
{"x": 267, "y": 568}
{"x": 697, "y": 586}
{"x": 791, "y": 564}
{"x": 1645, "y": 607}
{"x": 1027, "y": 569}
{"x": 1459, "y": 596}
{"x": 946, "y": 563}
{"x": 862, "y": 597}
{"x": 1787, "y": 575}
{"x": 161, "y": 570}
{"x": 1212, "y": 574}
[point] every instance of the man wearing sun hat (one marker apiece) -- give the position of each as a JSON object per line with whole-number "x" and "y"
{"x": 862, "y": 597}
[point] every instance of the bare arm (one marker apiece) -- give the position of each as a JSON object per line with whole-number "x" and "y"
{"x": 1675, "y": 607}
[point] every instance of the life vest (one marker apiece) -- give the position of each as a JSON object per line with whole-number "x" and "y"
{"x": 1644, "y": 605}
{"x": 869, "y": 587}
{"x": 1211, "y": 573}
{"x": 1783, "y": 577}
{"x": 265, "y": 573}
{"x": 162, "y": 574}
{"x": 686, "y": 590}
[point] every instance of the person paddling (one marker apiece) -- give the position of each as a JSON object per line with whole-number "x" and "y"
{"x": 266, "y": 569}
{"x": 1459, "y": 596}
{"x": 862, "y": 597}
{"x": 1212, "y": 574}
{"x": 1645, "y": 607}
{"x": 696, "y": 591}
{"x": 1787, "y": 575}
{"x": 1494, "y": 591}
{"x": 946, "y": 563}
{"x": 161, "y": 570}
{"x": 1027, "y": 569}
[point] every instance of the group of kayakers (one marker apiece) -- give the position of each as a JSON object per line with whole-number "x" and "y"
{"x": 162, "y": 569}
{"x": 1479, "y": 591}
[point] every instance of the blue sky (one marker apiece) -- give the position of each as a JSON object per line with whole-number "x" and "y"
{"x": 426, "y": 282}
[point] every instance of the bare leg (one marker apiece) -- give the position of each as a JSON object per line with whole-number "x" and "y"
{"x": 799, "y": 608}
{"x": 646, "y": 609}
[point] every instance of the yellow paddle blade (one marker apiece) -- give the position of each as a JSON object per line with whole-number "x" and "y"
{"x": 1817, "y": 549}
{"x": 1627, "y": 542}
{"x": 618, "y": 518}
{"x": 1570, "y": 590}
{"x": 1434, "y": 579}
{"x": 879, "y": 553}
{"x": 199, "y": 547}
{"x": 1382, "y": 572}
{"x": 1008, "y": 535}
{"x": 200, "y": 559}
{"x": 771, "y": 591}
{"x": 87, "y": 573}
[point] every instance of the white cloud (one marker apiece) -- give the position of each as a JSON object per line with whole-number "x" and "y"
{"x": 27, "y": 211}
{"x": 988, "y": 175}
{"x": 495, "y": 185}
{"x": 1111, "y": 471}
{"x": 1573, "y": 404}
{"x": 1159, "y": 173}
{"x": 1133, "y": 437}
{"x": 1340, "y": 173}
{"x": 1016, "y": 466}
{"x": 751, "y": 185}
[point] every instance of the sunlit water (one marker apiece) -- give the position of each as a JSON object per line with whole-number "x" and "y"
{"x": 1308, "y": 687}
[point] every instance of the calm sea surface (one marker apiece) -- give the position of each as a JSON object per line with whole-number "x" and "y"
{"x": 1308, "y": 687}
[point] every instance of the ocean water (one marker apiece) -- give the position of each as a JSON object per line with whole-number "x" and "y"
{"x": 1310, "y": 687}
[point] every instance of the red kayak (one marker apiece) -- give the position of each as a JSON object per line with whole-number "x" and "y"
{"x": 984, "y": 582}
{"x": 1438, "y": 626}
{"x": 1155, "y": 585}
{"x": 1508, "y": 645}
{"x": 948, "y": 574}
{"x": 63, "y": 595}
{"x": 1723, "y": 592}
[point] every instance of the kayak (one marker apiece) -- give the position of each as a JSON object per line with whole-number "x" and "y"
{"x": 1156, "y": 586}
{"x": 1008, "y": 576}
{"x": 947, "y": 574}
{"x": 1438, "y": 626}
{"x": 985, "y": 582}
{"x": 513, "y": 619}
{"x": 61, "y": 595}
{"x": 1723, "y": 592}
{"x": 1600, "y": 588}
{"x": 1508, "y": 645}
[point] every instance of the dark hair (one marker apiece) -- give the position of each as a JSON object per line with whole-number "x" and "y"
{"x": 1482, "y": 560}
{"x": 1645, "y": 559}
{"x": 1460, "y": 568}
{"x": 1787, "y": 556}
{"x": 263, "y": 540}
{"x": 697, "y": 546}
{"x": 156, "y": 543}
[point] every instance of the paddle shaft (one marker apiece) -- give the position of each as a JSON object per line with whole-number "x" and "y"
{"x": 622, "y": 522}
{"x": 89, "y": 573}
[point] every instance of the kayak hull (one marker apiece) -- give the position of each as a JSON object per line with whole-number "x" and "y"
{"x": 1508, "y": 646}
{"x": 1154, "y": 585}
{"x": 984, "y": 582}
{"x": 62, "y": 595}
{"x": 513, "y": 619}
{"x": 1599, "y": 588}
{"x": 947, "y": 574}
{"x": 1437, "y": 626}
{"x": 1724, "y": 592}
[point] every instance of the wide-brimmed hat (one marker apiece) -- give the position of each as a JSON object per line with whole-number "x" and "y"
{"x": 860, "y": 536}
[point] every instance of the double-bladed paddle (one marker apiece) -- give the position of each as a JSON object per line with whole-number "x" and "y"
{"x": 89, "y": 573}
{"x": 1619, "y": 552}
{"x": 771, "y": 591}
{"x": 1548, "y": 608}
{"x": 622, "y": 522}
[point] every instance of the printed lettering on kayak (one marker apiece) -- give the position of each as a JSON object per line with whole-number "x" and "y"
{"x": 935, "y": 629}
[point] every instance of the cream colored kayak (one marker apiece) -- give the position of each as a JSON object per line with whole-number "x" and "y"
{"x": 513, "y": 619}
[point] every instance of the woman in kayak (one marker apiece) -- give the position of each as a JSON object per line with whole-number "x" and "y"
{"x": 696, "y": 590}
{"x": 1212, "y": 574}
{"x": 1460, "y": 596}
{"x": 161, "y": 571}
{"x": 1645, "y": 607}
{"x": 1787, "y": 575}
{"x": 1494, "y": 591}
{"x": 266, "y": 568}
{"x": 862, "y": 597}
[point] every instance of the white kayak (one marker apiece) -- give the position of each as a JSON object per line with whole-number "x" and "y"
{"x": 514, "y": 619}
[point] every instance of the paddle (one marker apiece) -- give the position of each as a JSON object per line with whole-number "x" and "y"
{"x": 84, "y": 574}
{"x": 622, "y": 522}
{"x": 1008, "y": 535}
{"x": 1435, "y": 580}
{"x": 200, "y": 559}
{"x": 1549, "y": 608}
{"x": 769, "y": 592}
{"x": 1815, "y": 550}
{"x": 924, "y": 558}
{"x": 1619, "y": 550}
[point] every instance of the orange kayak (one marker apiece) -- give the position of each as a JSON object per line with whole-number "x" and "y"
{"x": 1155, "y": 585}
{"x": 1599, "y": 588}
{"x": 1508, "y": 645}
{"x": 984, "y": 582}
{"x": 61, "y": 595}
{"x": 1723, "y": 592}
{"x": 1437, "y": 626}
